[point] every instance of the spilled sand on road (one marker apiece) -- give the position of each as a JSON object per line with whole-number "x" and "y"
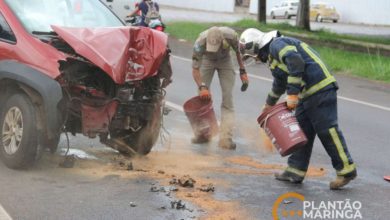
{"x": 266, "y": 169}
{"x": 166, "y": 165}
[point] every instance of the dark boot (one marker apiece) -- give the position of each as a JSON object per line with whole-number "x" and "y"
{"x": 200, "y": 140}
{"x": 289, "y": 177}
{"x": 341, "y": 181}
{"x": 227, "y": 143}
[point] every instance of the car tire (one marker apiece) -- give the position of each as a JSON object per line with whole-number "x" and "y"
{"x": 18, "y": 134}
{"x": 272, "y": 15}
{"x": 319, "y": 18}
{"x": 334, "y": 21}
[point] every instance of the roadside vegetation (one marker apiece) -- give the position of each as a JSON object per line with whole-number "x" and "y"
{"x": 368, "y": 63}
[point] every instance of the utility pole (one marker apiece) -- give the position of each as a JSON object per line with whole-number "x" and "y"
{"x": 303, "y": 16}
{"x": 261, "y": 11}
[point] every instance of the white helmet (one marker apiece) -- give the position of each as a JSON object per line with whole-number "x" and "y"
{"x": 249, "y": 38}
{"x": 253, "y": 39}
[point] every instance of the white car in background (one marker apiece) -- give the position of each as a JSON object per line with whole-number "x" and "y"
{"x": 285, "y": 9}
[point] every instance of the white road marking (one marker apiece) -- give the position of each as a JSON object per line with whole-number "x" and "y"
{"x": 181, "y": 58}
{"x": 260, "y": 77}
{"x": 364, "y": 103}
{"x": 340, "y": 97}
{"x": 3, "y": 214}
{"x": 174, "y": 106}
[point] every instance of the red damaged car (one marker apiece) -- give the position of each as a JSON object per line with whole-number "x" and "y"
{"x": 73, "y": 66}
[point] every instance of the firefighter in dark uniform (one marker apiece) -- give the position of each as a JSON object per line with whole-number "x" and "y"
{"x": 312, "y": 91}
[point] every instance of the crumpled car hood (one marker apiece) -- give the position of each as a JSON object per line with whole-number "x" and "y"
{"x": 124, "y": 53}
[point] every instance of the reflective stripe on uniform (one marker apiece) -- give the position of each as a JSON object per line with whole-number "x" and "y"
{"x": 273, "y": 95}
{"x": 347, "y": 168}
{"x": 316, "y": 59}
{"x": 317, "y": 87}
{"x": 281, "y": 66}
{"x": 286, "y": 49}
{"x": 294, "y": 80}
{"x": 296, "y": 171}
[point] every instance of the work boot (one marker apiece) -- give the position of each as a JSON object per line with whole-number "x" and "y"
{"x": 200, "y": 140}
{"x": 227, "y": 143}
{"x": 289, "y": 177}
{"x": 341, "y": 181}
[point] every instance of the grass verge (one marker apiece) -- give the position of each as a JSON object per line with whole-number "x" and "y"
{"x": 368, "y": 64}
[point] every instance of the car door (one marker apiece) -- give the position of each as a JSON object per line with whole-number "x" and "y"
{"x": 280, "y": 10}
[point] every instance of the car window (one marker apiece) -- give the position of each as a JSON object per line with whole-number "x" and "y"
{"x": 39, "y": 15}
{"x": 294, "y": 3}
{"x": 5, "y": 31}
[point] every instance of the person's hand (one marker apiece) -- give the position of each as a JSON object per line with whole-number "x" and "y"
{"x": 244, "y": 80}
{"x": 292, "y": 101}
{"x": 204, "y": 93}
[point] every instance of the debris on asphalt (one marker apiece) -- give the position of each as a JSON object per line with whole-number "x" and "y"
{"x": 163, "y": 207}
{"x": 68, "y": 162}
{"x": 126, "y": 165}
{"x": 156, "y": 189}
{"x": 173, "y": 181}
{"x": 163, "y": 189}
{"x": 186, "y": 181}
{"x": 132, "y": 204}
{"x": 173, "y": 189}
{"x": 207, "y": 188}
{"x": 189, "y": 195}
{"x": 287, "y": 202}
{"x": 141, "y": 170}
{"x": 161, "y": 172}
{"x": 387, "y": 178}
{"x": 129, "y": 166}
{"x": 178, "y": 205}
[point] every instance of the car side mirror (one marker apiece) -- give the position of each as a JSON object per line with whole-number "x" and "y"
{"x": 127, "y": 7}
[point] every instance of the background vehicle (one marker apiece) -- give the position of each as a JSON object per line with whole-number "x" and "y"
{"x": 285, "y": 9}
{"x": 155, "y": 23}
{"x": 322, "y": 11}
{"x": 57, "y": 76}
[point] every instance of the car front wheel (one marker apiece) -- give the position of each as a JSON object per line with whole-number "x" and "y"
{"x": 18, "y": 143}
{"x": 319, "y": 18}
{"x": 272, "y": 15}
{"x": 286, "y": 15}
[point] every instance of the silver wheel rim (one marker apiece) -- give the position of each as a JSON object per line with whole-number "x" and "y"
{"x": 12, "y": 130}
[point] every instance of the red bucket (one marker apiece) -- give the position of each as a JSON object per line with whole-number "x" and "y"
{"x": 201, "y": 115}
{"x": 282, "y": 128}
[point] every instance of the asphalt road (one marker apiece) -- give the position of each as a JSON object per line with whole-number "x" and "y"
{"x": 101, "y": 187}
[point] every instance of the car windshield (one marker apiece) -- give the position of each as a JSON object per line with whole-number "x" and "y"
{"x": 39, "y": 15}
